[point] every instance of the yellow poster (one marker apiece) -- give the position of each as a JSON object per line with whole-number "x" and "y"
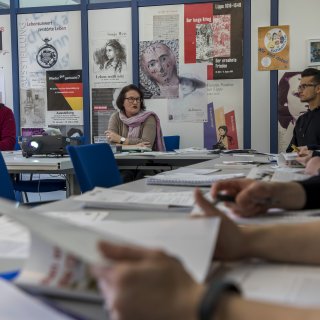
{"x": 273, "y": 53}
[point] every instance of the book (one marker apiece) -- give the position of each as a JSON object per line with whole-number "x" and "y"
{"x": 60, "y": 245}
{"x": 120, "y": 199}
{"x": 194, "y": 180}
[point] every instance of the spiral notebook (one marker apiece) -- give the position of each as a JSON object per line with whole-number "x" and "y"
{"x": 194, "y": 180}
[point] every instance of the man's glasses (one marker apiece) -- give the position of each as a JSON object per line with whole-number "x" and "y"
{"x": 132, "y": 99}
{"x": 306, "y": 85}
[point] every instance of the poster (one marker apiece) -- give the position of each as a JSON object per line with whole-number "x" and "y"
{"x": 110, "y": 67}
{"x": 225, "y": 115}
{"x": 103, "y": 106}
{"x": 191, "y": 106}
{"x": 213, "y": 34}
{"x": 273, "y": 51}
{"x": 289, "y": 107}
{"x": 159, "y": 65}
{"x": 110, "y": 60}
{"x": 47, "y": 42}
{"x": 64, "y": 97}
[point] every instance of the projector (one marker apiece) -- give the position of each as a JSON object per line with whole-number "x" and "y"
{"x": 46, "y": 145}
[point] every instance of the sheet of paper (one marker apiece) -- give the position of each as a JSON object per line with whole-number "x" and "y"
{"x": 110, "y": 198}
{"x": 190, "y": 240}
{"x": 187, "y": 170}
{"x": 284, "y": 284}
{"x": 17, "y": 305}
{"x": 81, "y": 217}
{"x": 14, "y": 239}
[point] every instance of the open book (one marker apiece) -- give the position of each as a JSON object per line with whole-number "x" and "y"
{"x": 120, "y": 199}
{"x": 60, "y": 245}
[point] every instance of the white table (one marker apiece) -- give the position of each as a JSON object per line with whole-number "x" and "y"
{"x": 16, "y": 163}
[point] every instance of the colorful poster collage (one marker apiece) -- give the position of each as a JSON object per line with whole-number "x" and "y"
{"x": 199, "y": 46}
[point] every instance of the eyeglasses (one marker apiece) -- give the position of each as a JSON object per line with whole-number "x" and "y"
{"x": 132, "y": 99}
{"x": 306, "y": 85}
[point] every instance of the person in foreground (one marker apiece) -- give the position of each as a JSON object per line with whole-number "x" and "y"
{"x": 7, "y": 129}
{"x": 145, "y": 284}
{"x": 254, "y": 197}
{"x": 133, "y": 125}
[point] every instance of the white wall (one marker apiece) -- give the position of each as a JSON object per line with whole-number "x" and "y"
{"x": 260, "y": 81}
{"x": 303, "y": 19}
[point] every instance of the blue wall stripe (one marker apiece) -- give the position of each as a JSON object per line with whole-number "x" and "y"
{"x": 85, "y": 71}
{"x": 14, "y": 4}
{"x": 274, "y": 87}
{"x": 247, "y": 74}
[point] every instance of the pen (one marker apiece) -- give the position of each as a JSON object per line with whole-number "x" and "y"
{"x": 223, "y": 198}
{"x": 295, "y": 148}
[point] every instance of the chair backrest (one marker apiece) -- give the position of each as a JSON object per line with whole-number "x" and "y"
{"x": 172, "y": 142}
{"x": 95, "y": 166}
{"x": 6, "y": 187}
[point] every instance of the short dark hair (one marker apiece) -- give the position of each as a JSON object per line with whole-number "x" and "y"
{"x": 122, "y": 96}
{"x": 311, "y": 72}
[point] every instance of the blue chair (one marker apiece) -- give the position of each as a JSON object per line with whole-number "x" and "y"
{"x": 94, "y": 166}
{"x": 6, "y": 187}
{"x": 172, "y": 142}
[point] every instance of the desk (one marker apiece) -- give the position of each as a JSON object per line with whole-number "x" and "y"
{"x": 16, "y": 163}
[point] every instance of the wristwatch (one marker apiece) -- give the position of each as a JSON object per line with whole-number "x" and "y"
{"x": 122, "y": 140}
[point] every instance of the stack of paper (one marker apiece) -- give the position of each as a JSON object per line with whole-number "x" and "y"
{"x": 190, "y": 179}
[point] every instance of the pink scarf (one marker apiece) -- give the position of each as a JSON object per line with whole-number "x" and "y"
{"x": 134, "y": 124}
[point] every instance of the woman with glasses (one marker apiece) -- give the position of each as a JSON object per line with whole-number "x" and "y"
{"x": 132, "y": 124}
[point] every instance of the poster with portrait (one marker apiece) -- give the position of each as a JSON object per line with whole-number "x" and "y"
{"x": 46, "y": 42}
{"x": 225, "y": 115}
{"x": 191, "y": 106}
{"x": 64, "y": 97}
{"x": 159, "y": 65}
{"x": 109, "y": 60}
{"x": 289, "y": 107}
{"x": 273, "y": 51}
{"x": 110, "y": 48}
{"x": 110, "y": 67}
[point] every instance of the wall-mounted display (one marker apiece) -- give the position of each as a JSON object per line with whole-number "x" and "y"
{"x": 49, "y": 47}
{"x": 313, "y": 52}
{"x": 273, "y": 51}
{"x": 110, "y": 64}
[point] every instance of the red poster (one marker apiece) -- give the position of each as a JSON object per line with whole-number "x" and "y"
{"x": 231, "y": 130}
{"x": 194, "y": 14}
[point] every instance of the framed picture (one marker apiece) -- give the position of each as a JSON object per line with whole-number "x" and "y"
{"x": 313, "y": 52}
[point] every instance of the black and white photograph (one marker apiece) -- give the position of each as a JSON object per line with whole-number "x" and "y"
{"x": 313, "y": 52}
